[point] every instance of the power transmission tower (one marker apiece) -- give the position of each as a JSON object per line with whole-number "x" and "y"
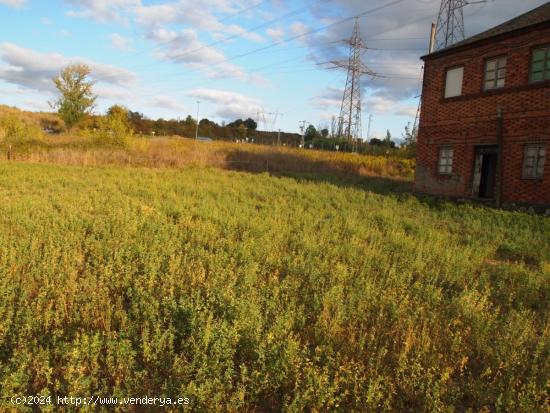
{"x": 450, "y": 23}
{"x": 349, "y": 122}
{"x": 274, "y": 118}
{"x": 368, "y": 129}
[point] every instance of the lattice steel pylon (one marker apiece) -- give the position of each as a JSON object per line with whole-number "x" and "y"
{"x": 450, "y": 23}
{"x": 349, "y": 122}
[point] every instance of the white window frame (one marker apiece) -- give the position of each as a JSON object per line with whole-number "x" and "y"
{"x": 445, "y": 160}
{"x": 495, "y": 73}
{"x": 454, "y": 80}
{"x": 534, "y": 157}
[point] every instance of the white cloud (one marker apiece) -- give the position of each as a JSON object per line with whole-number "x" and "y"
{"x": 35, "y": 70}
{"x": 120, "y": 42}
{"x": 185, "y": 48}
{"x": 379, "y": 104}
{"x": 238, "y": 31}
{"x": 276, "y": 34}
{"x": 112, "y": 93}
{"x": 402, "y": 32}
{"x": 103, "y": 10}
{"x": 156, "y": 15}
{"x": 187, "y": 13}
{"x": 229, "y": 105}
{"x": 37, "y": 105}
{"x": 16, "y": 4}
{"x": 167, "y": 102}
{"x": 299, "y": 29}
{"x": 330, "y": 98}
{"x": 406, "y": 110}
{"x": 163, "y": 21}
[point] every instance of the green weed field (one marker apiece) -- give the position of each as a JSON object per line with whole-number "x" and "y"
{"x": 250, "y": 293}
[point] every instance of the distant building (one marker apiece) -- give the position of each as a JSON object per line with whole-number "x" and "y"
{"x": 485, "y": 122}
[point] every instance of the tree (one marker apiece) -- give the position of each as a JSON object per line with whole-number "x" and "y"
{"x": 115, "y": 127}
{"x": 310, "y": 133}
{"x": 76, "y": 99}
{"x": 324, "y": 133}
{"x": 119, "y": 112}
{"x": 235, "y": 124}
{"x": 410, "y": 135}
{"x": 189, "y": 121}
{"x": 242, "y": 131}
{"x": 207, "y": 122}
{"x": 388, "y": 141}
{"x": 250, "y": 124}
{"x": 135, "y": 116}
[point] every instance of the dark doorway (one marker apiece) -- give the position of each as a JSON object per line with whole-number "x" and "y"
{"x": 485, "y": 171}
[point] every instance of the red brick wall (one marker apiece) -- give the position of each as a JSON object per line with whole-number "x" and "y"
{"x": 471, "y": 119}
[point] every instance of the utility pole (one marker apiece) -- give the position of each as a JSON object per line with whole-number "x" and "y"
{"x": 279, "y": 138}
{"x": 303, "y": 131}
{"x": 431, "y": 47}
{"x": 349, "y": 122}
{"x": 197, "y": 127}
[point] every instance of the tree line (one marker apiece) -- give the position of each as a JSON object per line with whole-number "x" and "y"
{"x": 76, "y": 101}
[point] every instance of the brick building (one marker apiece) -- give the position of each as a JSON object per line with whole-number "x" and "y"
{"x": 485, "y": 121}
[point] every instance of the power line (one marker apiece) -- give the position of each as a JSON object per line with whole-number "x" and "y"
{"x": 224, "y": 40}
{"x": 308, "y": 33}
{"x": 239, "y": 12}
{"x": 253, "y": 29}
{"x": 227, "y": 18}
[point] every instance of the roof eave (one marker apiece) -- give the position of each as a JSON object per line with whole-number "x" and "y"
{"x": 456, "y": 49}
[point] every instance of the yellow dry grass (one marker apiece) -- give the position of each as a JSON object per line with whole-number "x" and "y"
{"x": 34, "y": 118}
{"x": 178, "y": 152}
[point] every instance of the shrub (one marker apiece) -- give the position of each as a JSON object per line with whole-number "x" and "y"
{"x": 113, "y": 129}
{"x": 14, "y": 130}
{"x": 52, "y": 125}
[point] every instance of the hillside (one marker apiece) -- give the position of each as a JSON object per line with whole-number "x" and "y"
{"x": 22, "y": 135}
{"x": 251, "y": 292}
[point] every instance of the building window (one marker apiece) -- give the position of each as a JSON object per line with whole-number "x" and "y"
{"x": 495, "y": 73}
{"x": 540, "y": 64}
{"x": 453, "y": 82}
{"x": 446, "y": 160}
{"x": 533, "y": 161}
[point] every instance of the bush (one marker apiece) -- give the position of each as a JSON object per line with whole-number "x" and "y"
{"x": 52, "y": 125}
{"x": 113, "y": 129}
{"x": 13, "y": 130}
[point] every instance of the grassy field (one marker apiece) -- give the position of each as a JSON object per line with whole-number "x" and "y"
{"x": 21, "y": 135}
{"x": 177, "y": 152}
{"x": 250, "y": 292}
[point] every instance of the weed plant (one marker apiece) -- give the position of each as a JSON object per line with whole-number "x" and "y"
{"x": 248, "y": 292}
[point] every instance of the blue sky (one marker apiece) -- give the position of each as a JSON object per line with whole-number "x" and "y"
{"x": 236, "y": 57}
